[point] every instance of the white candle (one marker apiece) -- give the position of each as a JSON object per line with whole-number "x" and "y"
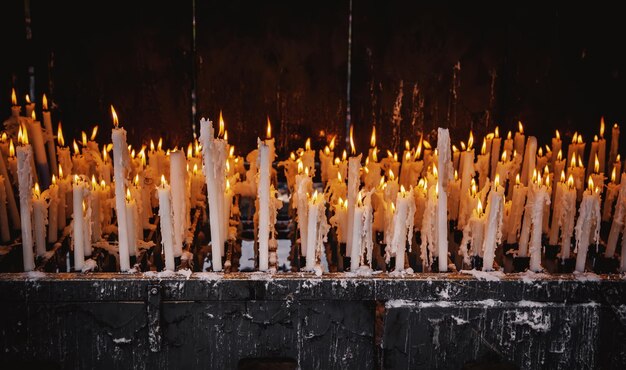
{"x": 354, "y": 164}
{"x": 357, "y": 231}
{"x": 263, "y": 236}
{"x": 53, "y": 212}
{"x": 5, "y": 232}
{"x": 493, "y": 227}
{"x": 62, "y": 194}
{"x": 308, "y": 156}
{"x": 593, "y": 158}
{"x": 120, "y": 166}
{"x": 588, "y": 218}
{"x": 403, "y": 226}
{"x": 614, "y": 143}
{"x": 568, "y": 213}
{"x": 556, "y": 148}
{"x": 10, "y": 196}
{"x": 47, "y": 124}
{"x": 541, "y": 197}
{"x": 617, "y": 225}
{"x": 304, "y": 186}
{"x": 517, "y": 210}
{"x": 40, "y": 216}
{"x": 36, "y": 134}
{"x": 519, "y": 140}
{"x": 444, "y": 164}
{"x": 555, "y": 224}
{"x": 495, "y": 154}
{"x": 340, "y": 219}
{"x": 454, "y": 194}
{"x": 78, "y": 232}
{"x": 467, "y": 173}
{"x": 611, "y": 196}
{"x": 165, "y": 216}
{"x": 482, "y": 165}
{"x": 602, "y": 148}
{"x": 316, "y": 212}
{"x": 132, "y": 219}
{"x": 529, "y": 161}
{"x": 179, "y": 200}
{"x": 25, "y": 180}
{"x": 96, "y": 213}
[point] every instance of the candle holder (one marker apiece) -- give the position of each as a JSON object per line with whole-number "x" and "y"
{"x": 521, "y": 264}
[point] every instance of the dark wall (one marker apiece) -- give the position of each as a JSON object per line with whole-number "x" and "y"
{"x": 552, "y": 67}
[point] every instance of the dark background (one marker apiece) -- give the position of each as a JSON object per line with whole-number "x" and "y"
{"x": 550, "y": 66}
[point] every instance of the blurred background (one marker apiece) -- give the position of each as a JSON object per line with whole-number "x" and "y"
{"x": 412, "y": 67}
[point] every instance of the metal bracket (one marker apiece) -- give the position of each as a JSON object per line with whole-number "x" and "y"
{"x": 153, "y": 308}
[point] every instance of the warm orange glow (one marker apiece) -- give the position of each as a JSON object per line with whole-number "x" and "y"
{"x": 37, "y": 191}
{"x": 44, "y": 102}
{"x": 352, "y": 148}
{"x": 306, "y": 171}
{"x": 580, "y": 139}
{"x": 151, "y": 145}
{"x": 221, "y": 123}
{"x": 33, "y": 116}
{"x": 4, "y": 137}
{"x": 83, "y": 136}
{"x": 520, "y": 127}
{"x": 427, "y": 145}
{"x": 456, "y": 175}
{"x": 314, "y": 197}
{"x": 189, "y": 151}
{"x": 575, "y": 138}
{"x": 517, "y": 179}
{"x": 54, "y": 179}
{"x": 596, "y": 165}
{"x": 341, "y": 180}
{"x": 94, "y": 183}
{"x": 227, "y": 185}
{"x": 13, "y": 97}
{"x": 497, "y": 181}
{"x": 470, "y": 141}
{"x": 573, "y": 161}
{"x": 24, "y": 135}
{"x": 613, "y": 175}
{"x": 558, "y": 135}
{"x": 326, "y": 150}
{"x": 94, "y": 133}
{"x": 534, "y": 175}
{"x": 503, "y": 156}
{"x": 105, "y": 155}
{"x": 300, "y": 166}
{"x": 595, "y": 138}
{"x": 497, "y": 132}
{"x": 580, "y": 161}
{"x": 562, "y": 178}
{"x": 463, "y": 147}
{"x": 163, "y": 181}
{"x": 559, "y": 155}
{"x": 454, "y": 148}
{"x": 402, "y": 190}
{"x": 618, "y": 158}
{"x": 483, "y": 149}
{"x": 307, "y": 144}
{"x": 391, "y": 175}
{"x": 114, "y": 115}
{"x": 226, "y": 135}
{"x": 60, "y": 171}
{"x": 268, "y": 132}
{"x": 27, "y": 98}
{"x": 373, "y": 137}
{"x": 473, "y": 188}
{"x": 590, "y": 183}
{"x": 76, "y": 179}
{"x": 570, "y": 182}
{"x": 160, "y": 144}
{"x": 407, "y": 145}
{"x": 508, "y": 135}
{"x": 479, "y": 207}
{"x": 407, "y": 156}
{"x": 128, "y": 196}
{"x": 331, "y": 145}
{"x": 418, "y": 151}
{"x": 103, "y": 184}
{"x": 602, "y": 127}
{"x": 231, "y": 152}
{"x": 76, "y": 150}
{"x": 435, "y": 172}
{"x": 344, "y": 155}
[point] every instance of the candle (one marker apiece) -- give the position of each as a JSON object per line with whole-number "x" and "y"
{"x": 593, "y": 158}
{"x": 96, "y": 214}
{"x": 540, "y": 198}
{"x": 617, "y": 225}
{"x": 588, "y": 218}
{"x": 25, "y": 181}
{"x": 5, "y": 232}
{"x": 30, "y": 106}
{"x": 495, "y": 153}
{"x": 493, "y": 227}
{"x": 611, "y": 196}
{"x": 529, "y": 162}
{"x": 454, "y": 194}
{"x": 354, "y": 164}
{"x": 519, "y": 140}
{"x": 555, "y": 224}
{"x": 467, "y": 173}
{"x": 445, "y": 165}
{"x": 372, "y": 172}
{"x": 482, "y": 164}
{"x": 456, "y": 157}
{"x": 557, "y": 144}
{"x": 340, "y": 218}
{"x": 36, "y": 134}
{"x": 62, "y": 194}
{"x": 314, "y": 244}
{"x": 567, "y": 209}
{"x": 617, "y": 166}
{"x": 405, "y": 167}
{"x": 517, "y": 210}
{"x": 473, "y": 234}
{"x": 120, "y": 165}
{"x": 53, "y": 197}
{"x": 602, "y": 147}
{"x": 326, "y": 161}
{"x": 166, "y": 222}
{"x": 47, "y": 123}
{"x": 178, "y": 175}
{"x": 78, "y": 231}
{"x": 40, "y": 216}
{"x": 304, "y": 186}
{"x": 403, "y": 226}
{"x": 133, "y": 225}
{"x": 614, "y": 143}
{"x": 264, "y": 163}
{"x": 11, "y": 205}
{"x": 357, "y": 231}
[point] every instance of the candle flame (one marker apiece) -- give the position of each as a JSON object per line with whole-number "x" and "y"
{"x": 540, "y": 152}
{"x": 114, "y": 115}
{"x": 479, "y": 207}
{"x": 454, "y": 149}
{"x": 307, "y": 144}
{"x": 595, "y": 138}
{"x": 407, "y": 156}
{"x": 517, "y": 179}
{"x": 331, "y": 145}
{"x": 314, "y": 197}
{"x": 489, "y": 136}
{"x": 54, "y": 179}
{"x": 11, "y": 149}
{"x": 575, "y": 138}
{"x": 570, "y": 182}
{"x": 393, "y": 207}
{"x": 128, "y": 196}
{"x": 227, "y": 185}
{"x": 602, "y": 127}
{"x": 418, "y": 151}
{"x": 353, "y": 150}
{"x": 497, "y": 131}
{"x": 437, "y": 189}
{"x": 300, "y": 166}
{"x": 534, "y": 175}
{"x": 427, "y": 144}
{"x": 508, "y": 135}
{"x": 195, "y": 168}
{"x": 306, "y": 171}
{"x": 421, "y": 184}
{"x": 160, "y": 144}
{"x": 395, "y": 156}
{"x": 435, "y": 172}
{"x": 382, "y": 183}
{"x": 151, "y": 145}
{"x": 573, "y": 161}
{"x": 596, "y": 165}
{"x": 402, "y": 190}
{"x": 463, "y": 147}
{"x": 580, "y": 160}
{"x": 44, "y": 103}
{"x": 60, "y": 171}
{"x": 618, "y": 158}
{"x": 83, "y": 136}
{"x": 613, "y": 175}
{"x": 13, "y": 97}
{"x": 136, "y": 180}
{"x": 268, "y": 132}
{"x": 76, "y": 150}
{"x": 373, "y": 137}
{"x": 341, "y": 180}
{"x": 37, "y": 191}
{"x": 94, "y": 183}
{"x": 292, "y": 156}
{"x": 344, "y": 155}
{"x": 590, "y": 183}
{"x": 391, "y": 175}
{"x": 94, "y": 132}
{"x": 76, "y": 179}
{"x": 539, "y": 179}
{"x": 580, "y": 139}
{"x": 483, "y": 148}
{"x": 33, "y": 116}
{"x": 374, "y": 155}
{"x": 558, "y": 135}
{"x": 520, "y": 127}
{"x": 231, "y": 152}
{"x": 503, "y": 156}
{"x": 407, "y": 145}
{"x": 27, "y": 98}
{"x": 4, "y": 137}
{"x": 547, "y": 181}
{"x": 456, "y": 175}
{"x": 497, "y": 181}
{"x": 24, "y": 135}
{"x": 473, "y": 188}
{"x": 189, "y": 151}
{"x": 163, "y": 181}
{"x": 326, "y": 150}
{"x": 221, "y": 123}
{"x": 559, "y": 155}
{"x": 103, "y": 184}
{"x": 562, "y": 176}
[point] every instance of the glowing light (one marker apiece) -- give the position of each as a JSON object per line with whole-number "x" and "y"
{"x": 60, "y": 138}
{"x": 116, "y": 121}
{"x": 221, "y": 123}
{"x": 94, "y": 132}
{"x": 602, "y": 127}
{"x": 520, "y": 127}
{"x": 268, "y": 131}
{"x": 483, "y": 148}
{"x": 558, "y": 135}
{"x": 307, "y": 144}
{"x": 44, "y": 103}
{"x": 37, "y": 191}
{"x": 373, "y": 137}
{"x": 613, "y": 175}
{"x": 13, "y": 97}
{"x": 353, "y": 150}
{"x": 596, "y": 165}
{"x": 559, "y": 155}
{"x": 479, "y": 207}
{"x": 497, "y": 132}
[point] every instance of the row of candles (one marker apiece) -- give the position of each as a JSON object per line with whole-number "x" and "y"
{"x": 533, "y": 193}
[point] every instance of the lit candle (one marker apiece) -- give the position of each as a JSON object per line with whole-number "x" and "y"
{"x": 96, "y": 213}
{"x": 40, "y": 211}
{"x": 614, "y": 143}
{"x": 314, "y": 243}
{"x": 517, "y": 210}
{"x": 617, "y": 225}
{"x": 304, "y": 186}
{"x": 78, "y": 231}
{"x": 308, "y": 156}
{"x": 493, "y": 227}
{"x": 62, "y": 195}
{"x": 25, "y": 181}
{"x": 405, "y": 167}
{"x": 11, "y": 205}
{"x": 495, "y": 153}
{"x": 47, "y": 124}
{"x": 264, "y": 163}
{"x": 340, "y": 218}
{"x": 444, "y": 163}
{"x": 5, "y": 232}
{"x": 557, "y": 144}
{"x": 508, "y": 143}
{"x": 556, "y": 225}
{"x": 454, "y": 194}
{"x": 567, "y": 211}
{"x": 326, "y": 161}
{"x": 372, "y": 172}
{"x": 611, "y": 196}
{"x": 30, "y": 106}
{"x": 473, "y": 234}
{"x": 357, "y": 231}
{"x": 529, "y": 162}
{"x": 540, "y": 198}
{"x": 593, "y": 158}
{"x": 519, "y": 140}
{"x": 15, "y": 109}
{"x": 602, "y": 147}
{"x": 467, "y": 173}
{"x": 588, "y": 218}
{"x": 120, "y": 166}
{"x": 403, "y": 226}
{"x": 617, "y": 166}
{"x": 167, "y": 227}
{"x": 354, "y": 164}
{"x": 482, "y": 164}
